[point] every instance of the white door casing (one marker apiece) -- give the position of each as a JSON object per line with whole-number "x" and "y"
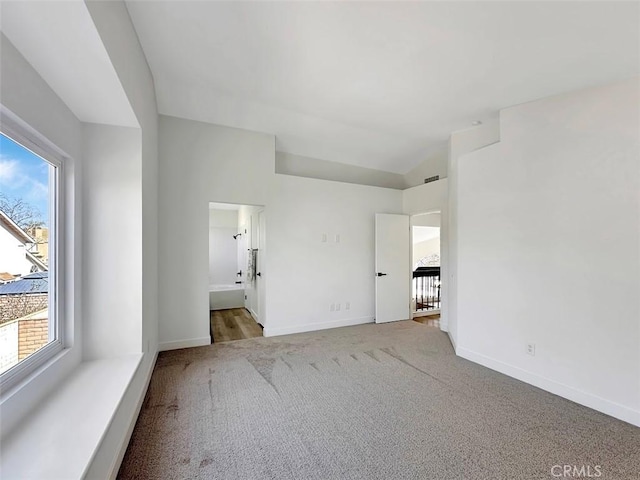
{"x": 261, "y": 266}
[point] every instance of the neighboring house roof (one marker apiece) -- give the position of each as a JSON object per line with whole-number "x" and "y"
{"x": 15, "y": 229}
{"x": 33, "y": 283}
{"x": 37, "y": 262}
{"x": 6, "y": 277}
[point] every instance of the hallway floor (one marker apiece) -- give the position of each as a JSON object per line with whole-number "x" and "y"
{"x": 429, "y": 320}
{"x": 233, "y": 324}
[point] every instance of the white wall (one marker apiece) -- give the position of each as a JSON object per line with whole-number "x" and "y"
{"x": 460, "y": 143}
{"x": 200, "y": 163}
{"x": 566, "y": 166}
{"x": 427, "y": 220}
{"x": 13, "y": 257}
{"x": 423, "y": 249}
{"x": 28, "y": 100}
{"x": 223, "y": 218}
{"x": 435, "y": 163}
{"x": 306, "y": 275}
{"x": 121, "y": 41}
{"x": 223, "y": 248}
{"x": 429, "y": 198}
{"x": 114, "y": 26}
{"x": 112, "y": 257}
{"x": 299, "y": 166}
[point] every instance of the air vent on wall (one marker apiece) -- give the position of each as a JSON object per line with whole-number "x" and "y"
{"x": 432, "y": 179}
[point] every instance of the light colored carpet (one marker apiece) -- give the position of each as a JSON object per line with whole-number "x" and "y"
{"x": 368, "y": 402}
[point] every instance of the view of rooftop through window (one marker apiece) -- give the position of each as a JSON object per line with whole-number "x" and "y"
{"x": 25, "y": 221}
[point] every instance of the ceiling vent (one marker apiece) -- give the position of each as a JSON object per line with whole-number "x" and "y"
{"x": 435, "y": 178}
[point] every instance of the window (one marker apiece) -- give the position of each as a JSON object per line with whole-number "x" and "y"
{"x": 30, "y": 226}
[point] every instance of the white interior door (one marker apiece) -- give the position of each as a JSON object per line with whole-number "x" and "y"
{"x": 393, "y": 267}
{"x": 261, "y": 267}
{"x": 253, "y": 291}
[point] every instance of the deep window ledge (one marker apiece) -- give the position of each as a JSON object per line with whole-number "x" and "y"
{"x": 67, "y": 428}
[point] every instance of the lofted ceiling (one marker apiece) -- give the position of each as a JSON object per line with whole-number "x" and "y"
{"x": 375, "y": 84}
{"x": 61, "y": 43}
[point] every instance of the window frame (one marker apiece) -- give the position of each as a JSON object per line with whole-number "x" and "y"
{"x": 33, "y": 142}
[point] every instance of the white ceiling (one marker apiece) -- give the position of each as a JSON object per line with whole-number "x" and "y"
{"x": 61, "y": 43}
{"x": 375, "y": 84}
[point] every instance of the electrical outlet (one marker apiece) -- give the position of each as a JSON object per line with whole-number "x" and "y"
{"x": 347, "y": 306}
{"x": 333, "y": 307}
{"x": 337, "y": 307}
{"x": 531, "y": 349}
{"x": 337, "y": 238}
{"x": 324, "y": 238}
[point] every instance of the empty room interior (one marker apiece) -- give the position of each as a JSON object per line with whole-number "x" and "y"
{"x": 319, "y": 240}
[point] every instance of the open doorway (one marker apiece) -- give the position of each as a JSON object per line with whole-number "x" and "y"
{"x": 236, "y": 271}
{"x": 426, "y": 279}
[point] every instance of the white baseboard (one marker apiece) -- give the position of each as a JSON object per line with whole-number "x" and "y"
{"x": 192, "y": 342}
{"x": 600, "y": 404}
{"x": 134, "y": 417}
{"x": 312, "y": 327}
{"x": 454, "y": 343}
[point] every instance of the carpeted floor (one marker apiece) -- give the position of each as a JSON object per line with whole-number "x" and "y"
{"x": 368, "y": 402}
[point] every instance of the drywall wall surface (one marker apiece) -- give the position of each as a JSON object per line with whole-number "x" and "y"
{"x": 200, "y": 163}
{"x": 223, "y": 218}
{"x": 536, "y": 267}
{"x": 320, "y": 251}
{"x": 28, "y": 100}
{"x": 223, "y": 248}
{"x": 435, "y": 163}
{"x": 27, "y": 95}
{"x": 427, "y": 220}
{"x": 112, "y": 257}
{"x": 235, "y": 165}
{"x": 426, "y": 248}
{"x": 289, "y": 164}
{"x": 425, "y": 198}
{"x": 113, "y": 24}
{"x": 460, "y": 143}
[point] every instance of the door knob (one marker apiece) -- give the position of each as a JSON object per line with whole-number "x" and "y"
{"x": 381, "y": 274}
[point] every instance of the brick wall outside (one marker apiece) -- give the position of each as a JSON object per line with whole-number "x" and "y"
{"x": 32, "y": 336}
{"x": 16, "y": 306}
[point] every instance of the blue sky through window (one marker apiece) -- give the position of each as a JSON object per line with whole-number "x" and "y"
{"x": 24, "y": 175}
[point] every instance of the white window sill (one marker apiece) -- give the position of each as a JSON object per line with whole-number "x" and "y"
{"x": 60, "y": 438}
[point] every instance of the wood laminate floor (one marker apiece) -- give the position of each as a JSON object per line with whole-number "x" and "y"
{"x": 431, "y": 320}
{"x": 233, "y": 324}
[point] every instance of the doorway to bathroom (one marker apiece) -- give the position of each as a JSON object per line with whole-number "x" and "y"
{"x": 236, "y": 271}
